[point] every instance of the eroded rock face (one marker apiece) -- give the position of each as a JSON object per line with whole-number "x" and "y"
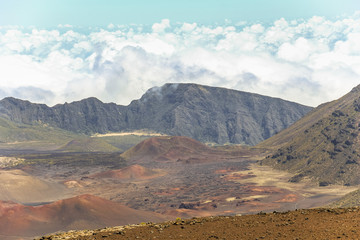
{"x": 86, "y": 116}
{"x": 207, "y": 114}
{"x": 211, "y": 114}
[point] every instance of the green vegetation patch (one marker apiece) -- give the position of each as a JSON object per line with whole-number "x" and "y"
{"x": 16, "y": 135}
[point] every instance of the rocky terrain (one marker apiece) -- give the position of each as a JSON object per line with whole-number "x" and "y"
{"x": 164, "y": 176}
{"x": 211, "y": 114}
{"x": 207, "y": 114}
{"x": 324, "y": 145}
{"x": 86, "y": 116}
{"x": 311, "y": 164}
{"x": 351, "y": 199}
{"x": 300, "y": 224}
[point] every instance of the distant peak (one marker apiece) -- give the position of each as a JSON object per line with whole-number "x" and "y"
{"x": 17, "y": 101}
{"x": 12, "y": 99}
{"x": 173, "y": 87}
{"x": 90, "y": 99}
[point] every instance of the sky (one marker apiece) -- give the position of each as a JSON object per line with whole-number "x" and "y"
{"x": 56, "y": 51}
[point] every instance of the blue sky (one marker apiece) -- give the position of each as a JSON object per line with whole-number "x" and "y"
{"x": 50, "y": 13}
{"x": 55, "y": 51}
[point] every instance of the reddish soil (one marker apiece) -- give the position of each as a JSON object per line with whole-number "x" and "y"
{"x": 80, "y": 212}
{"x": 177, "y": 149}
{"x": 299, "y": 224}
{"x": 173, "y": 176}
{"x": 136, "y": 172}
{"x": 237, "y": 176}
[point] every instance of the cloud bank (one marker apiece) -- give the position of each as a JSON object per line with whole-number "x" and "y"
{"x": 307, "y": 61}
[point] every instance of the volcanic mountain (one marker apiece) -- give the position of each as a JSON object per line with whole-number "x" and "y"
{"x": 207, "y": 114}
{"x": 324, "y": 145}
{"x": 176, "y": 149}
{"x": 210, "y": 114}
{"x": 85, "y": 211}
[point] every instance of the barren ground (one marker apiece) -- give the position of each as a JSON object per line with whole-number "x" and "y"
{"x": 299, "y": 224}
{"x": 193, "y": 182}
{"x": 310, "y": 193}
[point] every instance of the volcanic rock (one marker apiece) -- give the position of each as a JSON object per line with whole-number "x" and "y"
{"x": 207, "y": 114}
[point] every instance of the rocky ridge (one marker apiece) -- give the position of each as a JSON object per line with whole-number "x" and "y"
{"x": 324, "y": 145}
{"x": 207, "y": 114}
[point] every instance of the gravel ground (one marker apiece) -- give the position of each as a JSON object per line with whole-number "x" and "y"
{"x": 322, "y": 223}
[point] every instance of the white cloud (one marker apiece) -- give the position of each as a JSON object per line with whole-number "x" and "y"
{"x": 350, "y": 46}
{"x": 300, "y": 50}
{"x": 308, "y": 61}
{"x": 160, "y": 27}
{"x": 187, "y": 27}
{"x": 256, "y": 28}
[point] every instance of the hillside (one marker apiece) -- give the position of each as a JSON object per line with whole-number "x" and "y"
{"x": 300, "y": 224}
{"x": 211, "y": 114}
{"x": 88, "y": 145}
{"x": 85, "y": 211}
{"x": 179, "y": 149}
{"x": 207, "y": 114}
{"x": 15, "y": 135}
{"x": 21, "y": 187}
{"x": 86, "y": 116}
{"x": 351, "y": 199}
{"x": 324, "y": 145}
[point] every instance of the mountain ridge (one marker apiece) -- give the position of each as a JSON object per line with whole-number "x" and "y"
{"x": 207, "y": 114}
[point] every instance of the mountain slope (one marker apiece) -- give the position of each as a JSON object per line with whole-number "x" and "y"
{"x": 207, "y": 114}
{"x": 211, "y": 114}
{"x": 85, "y": 211}
{"x": 351, "y": 199}
{"x": 21, "y": 187}
{"x": 167, "y": 149}
{"x": 180, "y": 149}
{"x": 15, "y": 135}
{"x": 88, "y": 144}
{"x": 86, "y": 116}
{"x": 319, "y": 223}
{"x": 324, "y": 145}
